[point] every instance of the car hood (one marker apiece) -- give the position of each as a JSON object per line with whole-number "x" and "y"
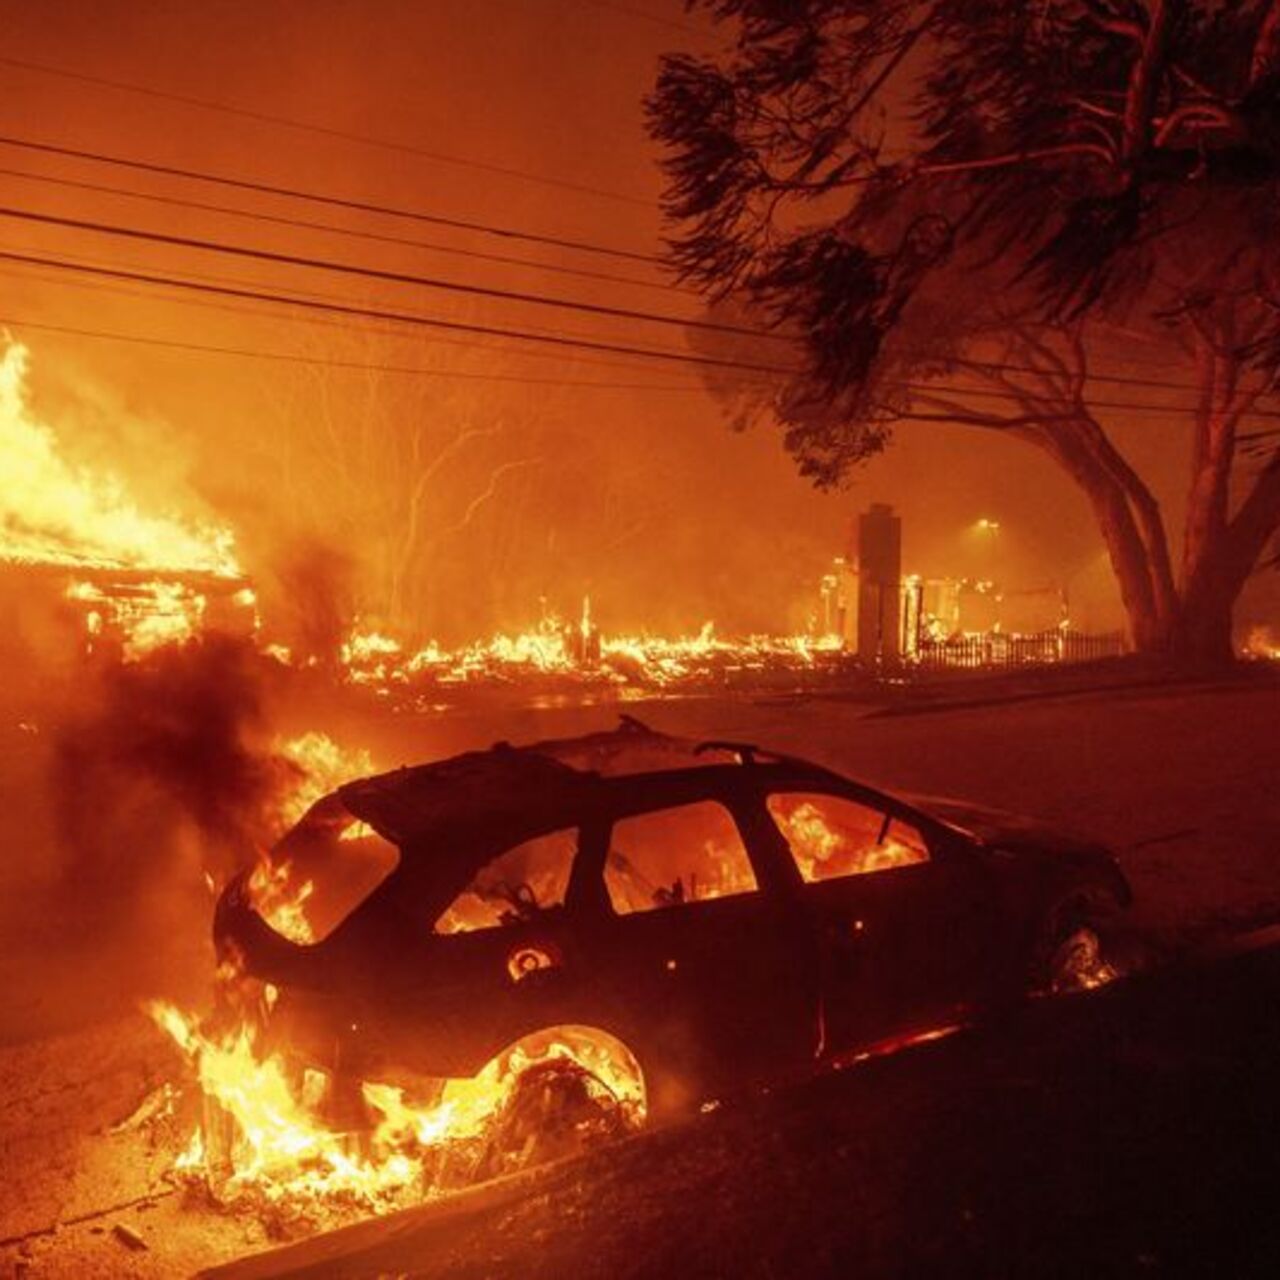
{"x": 1004, "y": 828}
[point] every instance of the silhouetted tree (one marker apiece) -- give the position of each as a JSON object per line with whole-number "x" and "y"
{"x": 954, "y": 207}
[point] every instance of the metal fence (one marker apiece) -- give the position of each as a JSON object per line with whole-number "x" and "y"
{"x": 996, "y": 649}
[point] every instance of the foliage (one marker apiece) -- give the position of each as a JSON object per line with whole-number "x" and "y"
{"x": 911, "y": 190}
{"x": 849, "y": 161}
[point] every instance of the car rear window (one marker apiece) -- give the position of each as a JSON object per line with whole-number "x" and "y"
{"x": 670, "y": 857}
{"x": 318, "y": 874}
{"x": 834, "y": 836}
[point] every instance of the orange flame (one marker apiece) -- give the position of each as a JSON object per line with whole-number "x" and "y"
{"x": 54, "y": 513}
{"x": 263, "y": 1133}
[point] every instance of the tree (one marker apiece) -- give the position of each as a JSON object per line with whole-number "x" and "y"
{"x": 955, "y": 208}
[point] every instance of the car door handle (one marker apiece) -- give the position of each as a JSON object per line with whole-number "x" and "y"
{"x": 846, "y": 933}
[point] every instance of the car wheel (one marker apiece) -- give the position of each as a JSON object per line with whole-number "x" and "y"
{"x": 574, "y": 1088}
{"x": 1071, "y": 955}
{"x": 557, "y": 1109}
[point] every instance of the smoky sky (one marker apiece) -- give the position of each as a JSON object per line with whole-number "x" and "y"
{"x": 454, "y": 502}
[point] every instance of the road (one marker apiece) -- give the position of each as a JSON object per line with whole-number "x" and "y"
{"x": 1181, "y": 782}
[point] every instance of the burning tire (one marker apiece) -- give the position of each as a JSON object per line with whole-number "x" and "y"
{"x": 557, "y": 1109}
{"x": 571, "y": 1089}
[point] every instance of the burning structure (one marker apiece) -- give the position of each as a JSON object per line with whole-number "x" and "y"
{"x": 78, "y": 544}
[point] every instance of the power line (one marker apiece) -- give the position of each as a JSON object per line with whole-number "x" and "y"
{"x": 559, "y": 339}
{"x": 302, "y": 126}
{"x": 401, "y": 317}
{"x": 327, "y": 363}
{"x": 376, "y": 273}
{"x": 222, "y": 209}
{"x": 924, "y": 388}
{"x": 361, "y": 206}
{"x": 608, "y": 364}
{"x": 76, "y": 263}
{"x": 334, "y": 229}
{"x": 1090, "y": 376}
{"x": 337, "y": 202}
{"x": 388, "y": 329}
{"x": 1132, "y": 406}
{"x": 1128, "y": 406}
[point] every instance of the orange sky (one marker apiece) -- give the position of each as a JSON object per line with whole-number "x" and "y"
{"x": 522, "y": 488}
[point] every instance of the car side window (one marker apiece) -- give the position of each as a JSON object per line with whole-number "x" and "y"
{"x": 833, "y": 836}
{"x": 514, "y": 886}
{"x": 670, "y": 857}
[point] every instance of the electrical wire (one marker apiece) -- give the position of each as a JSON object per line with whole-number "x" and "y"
{"x": 326, "y": 131}
{"x": 410, "y": 318}
{"x": 326, "y": 362}
{"x": 374, "y": 273}
{"x": 257, "y": 312}
{"x": 333, "y": 229}
{"x": 337, "y": 202}
{"x": 921, "y": 388}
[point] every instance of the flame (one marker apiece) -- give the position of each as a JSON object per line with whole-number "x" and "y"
{"x": 323, "y": 766}
{"x": 264, "y": 1135}
{"x": 141, "y": 579}
{"x": 278, "y": 892}
{"x": 145, "y": 616}
{"x": 54, "y": 513}
{"x": 281, "y": 901}
{"x": 578, "y": 650}
{"x": 1263, "y": 643}
{"x": 823, "y": 850}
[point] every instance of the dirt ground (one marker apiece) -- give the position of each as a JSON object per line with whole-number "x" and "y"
{"x": 1181, "y": 783}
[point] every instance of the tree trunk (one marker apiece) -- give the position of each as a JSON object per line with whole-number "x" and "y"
{"x": 1202, "y": 635}
{"x": 1195, "y": 629}
{"x": 1131, "y": 559}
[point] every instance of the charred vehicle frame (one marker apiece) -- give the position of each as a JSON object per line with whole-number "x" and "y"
{"x": 710, "y": 980}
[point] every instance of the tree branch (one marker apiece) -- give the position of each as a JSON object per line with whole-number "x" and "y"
{"x": 1095, "y": 150}
{"x": 1214, "y": 115}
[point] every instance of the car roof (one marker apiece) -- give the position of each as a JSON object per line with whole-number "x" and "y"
{"x": 512, "y": 793}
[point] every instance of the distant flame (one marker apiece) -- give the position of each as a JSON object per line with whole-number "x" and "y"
{"x": 557, "y": 648}
{"x": 54, "y": 513}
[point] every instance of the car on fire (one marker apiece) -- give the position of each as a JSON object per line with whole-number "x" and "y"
{"x": 714, "y": 915}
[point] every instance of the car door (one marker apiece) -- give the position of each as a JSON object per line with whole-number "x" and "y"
{"x": 904, "y": 923}
{"x": 703, "y": 968}
{"x": 501, "y": 958}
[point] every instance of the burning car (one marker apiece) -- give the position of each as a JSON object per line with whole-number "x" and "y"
{"x": 688, "y": 919}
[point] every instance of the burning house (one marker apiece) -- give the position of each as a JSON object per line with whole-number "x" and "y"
{"x": 76, "y": 549}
